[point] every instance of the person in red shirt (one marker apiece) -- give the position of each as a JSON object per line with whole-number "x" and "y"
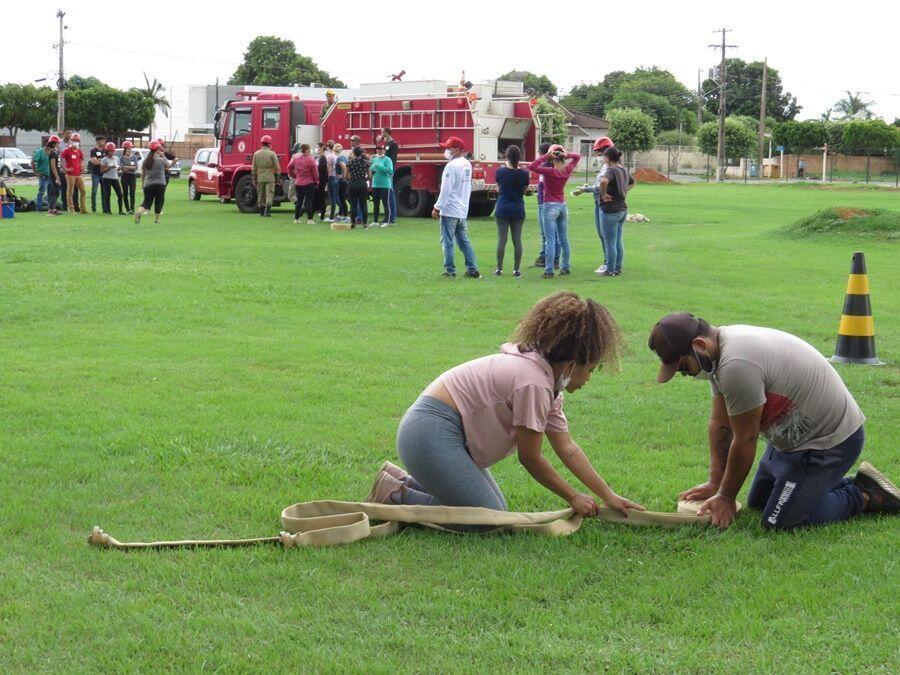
{"x": 73, "y": 160}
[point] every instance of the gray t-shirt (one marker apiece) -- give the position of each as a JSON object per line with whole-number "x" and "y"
{"x": 132, "y": 160}
{"x": 806, "y": 405}
{"x": 156, "y": 174}
{"x": 110, "y": 167}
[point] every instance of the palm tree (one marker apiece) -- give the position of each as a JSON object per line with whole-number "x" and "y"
{"x": 853, "y": 107}
{"x": 154, "y": 90}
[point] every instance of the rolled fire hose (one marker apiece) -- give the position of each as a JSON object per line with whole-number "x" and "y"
{"x": 332, "y": 523}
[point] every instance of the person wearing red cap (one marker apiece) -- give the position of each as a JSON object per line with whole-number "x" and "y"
{"x": 154, "y": 170}
{"x": 131, "y": 163}
{"x": 601, "y": 145}
{"x": 770, "y": 383}
{"x": 73, "y": 160}
{"x": 555, "y": 211}
{"x": 109, "y": 165}
{"x": 264, "y": 172}
{"x": 452, "y": 208}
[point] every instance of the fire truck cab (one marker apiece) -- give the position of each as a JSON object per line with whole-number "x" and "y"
{"x": 488, "y": 117}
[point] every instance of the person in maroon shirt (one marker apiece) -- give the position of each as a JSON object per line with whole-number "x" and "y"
{"x": 305, "y": 172}
{"x": 555, "y": 211}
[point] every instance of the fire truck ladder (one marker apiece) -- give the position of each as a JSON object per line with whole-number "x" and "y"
{"x": 410, "y": 120}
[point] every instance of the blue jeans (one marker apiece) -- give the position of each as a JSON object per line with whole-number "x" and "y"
{"x": 333, "y": 194}
{"x": 597, "y": 224}
{"x": 392, "y": 205}
{"x": 95, "y": 186}
{"x": 807, "y": 487}
{"x": 43, "y": 188}
{"x": 455, "y": 229}
{"x": 556, "y": 234}
{"x": 611, "y": 225}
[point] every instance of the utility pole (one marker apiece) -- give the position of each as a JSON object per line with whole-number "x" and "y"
{"x": 61, "y": 82}
{"x": 760, "y": 146}
{"x": 720, "y": 159}
{"x": 699, "y": 100}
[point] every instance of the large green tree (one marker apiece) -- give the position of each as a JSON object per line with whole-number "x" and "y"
{"x": 743, "y": 88}
{"x": 854, "y": 107}
{"x": 155, "y": 91}
{"x": 654, "y": 91}
{"x": 870, "y": 137}
{"x": 552, "y": 121}
{"x": 539, "y": 85}
{"x": 271, "y": 61}
{"x": 109, "y": 111}
{"x": 739, "y": 140}
{"x": 631, "y": 130}
{"x": 26, "y": 107}
{"x": 79, "y": 82}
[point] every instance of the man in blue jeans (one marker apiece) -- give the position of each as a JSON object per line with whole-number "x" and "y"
{"x": 452, "y": 208}
{"x": 98, "y": 152}
{"x": 40, "y": 164}
{"x": 770, "y": 383}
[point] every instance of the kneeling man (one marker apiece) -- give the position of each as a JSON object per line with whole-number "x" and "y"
{"x": 768, "y": 382}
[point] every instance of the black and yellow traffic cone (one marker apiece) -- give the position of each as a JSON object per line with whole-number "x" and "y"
{"x": 856, "y": 333}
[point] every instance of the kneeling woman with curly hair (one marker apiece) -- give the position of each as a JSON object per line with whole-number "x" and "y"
{"x": 478, "y": 413}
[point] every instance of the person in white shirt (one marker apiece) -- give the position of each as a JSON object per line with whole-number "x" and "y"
{"x": 452, "y": 208}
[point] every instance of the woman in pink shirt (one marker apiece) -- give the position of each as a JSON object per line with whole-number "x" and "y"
{"x": 303, "y": 169}
{"x": 555, "y": 212}
{"x": 480, "y": 412}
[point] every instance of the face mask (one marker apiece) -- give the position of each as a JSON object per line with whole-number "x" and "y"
{"x": 564, "y": 380}
{"x": 76, "y": 143}
{"x": 448, "y": 154}
{"x": 705, "y": 372}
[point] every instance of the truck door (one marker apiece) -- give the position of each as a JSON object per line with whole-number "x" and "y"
{"x": 239, "y": 142}
{"x": 276, "y": 123}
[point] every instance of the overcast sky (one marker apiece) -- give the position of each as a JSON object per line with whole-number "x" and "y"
{"x": 820, "y": 49}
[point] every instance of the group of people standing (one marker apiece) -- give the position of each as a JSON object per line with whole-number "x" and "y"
{"x": 328, "y": 179}
{"x": 554, "y": 167}
{"x": 60, "y": 163}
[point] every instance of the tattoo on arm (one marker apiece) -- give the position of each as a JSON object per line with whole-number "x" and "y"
{"x": 723, "y": 443}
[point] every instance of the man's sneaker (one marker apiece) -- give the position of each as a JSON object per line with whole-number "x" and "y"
{"x": 565, "y": 271}
{"x": 473, "y": 274}
{"x": 385, "y": 224}
{"x": 296, "y": 221}
{"x": 600, "y": 270}
{"x": 539, "y": 262}
{"x": 449, "y": 275}
{"x": 884, "y": 497}
{"x": 548, "y": 275}
{"x": 394, "y": 470}
{"x": 383, "y": 489}
{"x": 556, "y": 264}
{"x": 517, "y": 274}
{"x": 498, "y": 272}
{"x": 310, "y": 221}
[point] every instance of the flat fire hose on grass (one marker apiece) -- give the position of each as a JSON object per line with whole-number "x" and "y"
{"x": 332, "y": 523}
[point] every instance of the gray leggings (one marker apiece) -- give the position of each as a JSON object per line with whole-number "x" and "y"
{"x": 515, "y": 225}
{"x": 432, "y": 446}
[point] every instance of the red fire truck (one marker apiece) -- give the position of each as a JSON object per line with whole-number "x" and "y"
{"x": 488, "y": 117}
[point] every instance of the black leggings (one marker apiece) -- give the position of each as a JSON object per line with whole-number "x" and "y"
{"x": 515, "y": 225}
{"x": 342, "y": 198}
{"x": 380, "y": 196}
{"x": 156, "y": 195}
{"x": 129, "y": 187}
{"x": 321, "y": 201}
{"x": 359, "y": 201}
{"x": 106, "y": 185}
{"x": 306, "y": 200}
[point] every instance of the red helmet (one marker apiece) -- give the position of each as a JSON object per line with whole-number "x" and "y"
{"x": 555, "y": 148}
{"x": 53, "y": 139}
{"x": 266, "y": 140}
{"x": 76, "y": 138}
{"x": 602, "y": 143}
{"x": 110, "y": 146}
{"x": 160, "y": 141}
{"x": 154, "y": 145}
{"x": 127, "y": 144}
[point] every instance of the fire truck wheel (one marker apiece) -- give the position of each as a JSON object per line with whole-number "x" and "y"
{"x": 245, "y": 194}
{"x": 481, "y": 209}
{"x": 412, "y": 203}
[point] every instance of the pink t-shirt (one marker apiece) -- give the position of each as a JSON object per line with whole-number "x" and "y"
{"x": 304, "y": 170}
{"x": 497, "y": 393}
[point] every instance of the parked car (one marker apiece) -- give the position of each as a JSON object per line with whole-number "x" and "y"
{"x": 204, "y": 177}
{"x": 14, "y": 162}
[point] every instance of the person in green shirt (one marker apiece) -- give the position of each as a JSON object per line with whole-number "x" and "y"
{"x": 263, "y": 174}
{"x": 40, "y": 164}
{"x": 382, "y": 169}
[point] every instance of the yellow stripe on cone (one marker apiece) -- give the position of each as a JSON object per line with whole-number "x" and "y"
{"x": 857, "y": 326}
{"x": 858, "y": 284}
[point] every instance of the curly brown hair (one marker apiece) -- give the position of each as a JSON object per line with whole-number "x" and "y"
{"x": 565, "y": 327}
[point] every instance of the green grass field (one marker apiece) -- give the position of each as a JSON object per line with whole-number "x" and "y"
{"x": 193, "y": 378}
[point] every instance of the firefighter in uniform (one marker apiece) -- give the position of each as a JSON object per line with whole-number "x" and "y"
{"x": 265, "y": 170}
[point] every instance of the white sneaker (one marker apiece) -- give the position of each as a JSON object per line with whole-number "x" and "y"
{"x": 385, "y": 224}
{"x": 310, "y": 221}
{"x": 296, "y": 221}
{"x": 600, "y": 270}
{"x": 328, "y": 220}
